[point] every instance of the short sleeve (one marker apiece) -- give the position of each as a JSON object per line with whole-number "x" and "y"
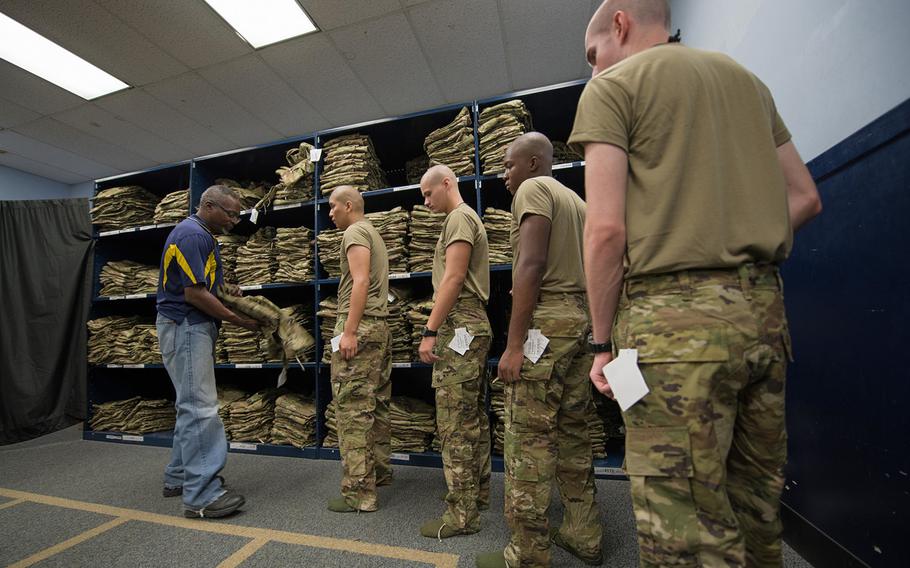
{"x": 532, "y": 198}
{"x": 356, "y": 234}
{"x": 604, "y": 114}
{"x": 191, "y": 254}
{"x": 781, "y": 132}
{"x": 459, "y": 228}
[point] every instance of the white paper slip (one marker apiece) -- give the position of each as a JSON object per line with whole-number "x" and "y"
{"x": 254, "y": 216}
{"x": 462, "y": 341}
{"x": 391, "y": 298}
{"x": 626, "y": 379}
{"x": 282, "y": 377}
{"x": 315, "y": 154}
{"x": 336, "y": 343}
{"x": 535, "y": 345}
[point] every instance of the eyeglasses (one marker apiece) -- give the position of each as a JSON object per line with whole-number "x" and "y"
{"x": 235, "y": 215}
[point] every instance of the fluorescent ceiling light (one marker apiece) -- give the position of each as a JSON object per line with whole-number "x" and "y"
{"x": 264, "y": 22}
{"x": 38, "y": 55}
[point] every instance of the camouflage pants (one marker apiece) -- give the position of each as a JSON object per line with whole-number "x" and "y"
{"x": 546, "y": 436}
{"x": 705, "y": 450}
{"x": 361, "y": 389}
{"x": 463, "y": 427}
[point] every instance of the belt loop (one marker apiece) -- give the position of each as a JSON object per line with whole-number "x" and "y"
{"x": 685, "y": 283}
{"x": 745, "y": 283}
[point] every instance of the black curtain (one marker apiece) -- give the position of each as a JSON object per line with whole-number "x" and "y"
{"x": 45, "y": 285}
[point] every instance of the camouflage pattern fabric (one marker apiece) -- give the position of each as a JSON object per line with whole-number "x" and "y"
{"x": 546, "y": 436}
{"x": 461, "y": 419}
{"x": 361, "y": 389}
{"x": 705, "y": 450}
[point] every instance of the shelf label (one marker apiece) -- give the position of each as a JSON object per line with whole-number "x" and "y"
{"x": 315, "y": 154}
{"x": 147, "y": 227}
{"x": 406, "y": 187}
{"x": 248, "y": 366}
{"x": 254, "y": 216}
{"x": 399, "y": 456}
{"x": 399, "y": 276}
{"x": 401, "y": 365}
{"x": 112, "y": 437}
{"x": 244, "y": 446}
{"x": 107, "y": 233}
{"x": 116, "y": 297}
{"x": 252, "y": 287}
{"x": 608, "y": 471}
{"x": 131, "y": 438}
{"x": 113, "y": 366}
{"x": 134, "y": 366}
{"x": 135, "y": 296}
{"x": 287, "y": 206}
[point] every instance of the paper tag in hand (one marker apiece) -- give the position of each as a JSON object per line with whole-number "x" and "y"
{"x": 535, "y": 345}
{"x": 254, "y": 216}
{"x": 336, "y": 343}
{"x": 625, "y": 378}
{"x": 283, "y": 377}
{"x": 315, "y": 154}
{"x": 462, "y": 341}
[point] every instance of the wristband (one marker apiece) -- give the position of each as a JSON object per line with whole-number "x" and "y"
{"x": 427, "y": 332}
{"x": 601, "y": 347}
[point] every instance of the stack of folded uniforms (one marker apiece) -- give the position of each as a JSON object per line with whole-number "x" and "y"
{"x": 295, "y": 421}
{"x": 122, "y": 340}
{"x": 241, "y": 345}
{"x": 227, "y": 395}
{"x": 257, "y": 260}
{"x": 453, "y": 144}
{"x": 103, "y": 335}
{"x": 415, "y": 168}
{"x": 329, "y": 243}
{"x": 331, "y": 427}
{"x": 563, "y": 153}
{"x": 351, "y": 160}
{"x": 175, "y": 207}
{"x": 424, "y": 232}
{"x": 122, "y": 207}
{"x": 119, "y": 277}
{"x": 498, "y": 126}
{"x": 228, "y": 246}
{"x": 249, "y": 192}
{"x": 413, "y": 424}
{"x": 281, "y": 337}
{"x": 250, "y": 419}
{"x": 111, "y": 416}
{"x": 296, "y": 178}
{"x": 299, "y": 316}
{"x": 497, "y": 405}
{"x": 151, "y": 416}
{"x": 294, "y": 254}
{"x": 328, "y": 315}
{"x": 393, "y": 226}
{"x": 498, "y": 224}
{"x": 399, "y": 326}
{"x": 418, "y": 312}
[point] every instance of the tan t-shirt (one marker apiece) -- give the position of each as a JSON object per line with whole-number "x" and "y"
{"x": 705, "y": 188}
{"x": 464, "y": 224}
{"x": 565, "y": 271}
{"x": 364, "y": 234}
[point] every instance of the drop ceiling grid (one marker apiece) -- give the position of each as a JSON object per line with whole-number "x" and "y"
{"x": 332, "y": 14}
{"x": 33, "y": 93}
{"x": 42, "y": 169}
{"x": 12, "y": 114}
{"x": 30, "y": 148}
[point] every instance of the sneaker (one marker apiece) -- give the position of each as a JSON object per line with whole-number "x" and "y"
{"x": 437, "y": 528}
{"x": 177, "y": 490}
{"x": 220, "y": 507}
{"x": 558, "y": 540}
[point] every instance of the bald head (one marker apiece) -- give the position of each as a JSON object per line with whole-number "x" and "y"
{"x": 436, "y": 174}
{"x": 645, "y": 13}
{"x": 348, "y": 194}
{"x": 533, "y": 144}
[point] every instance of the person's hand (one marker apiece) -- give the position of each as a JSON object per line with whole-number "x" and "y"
{"x": 247, "y": 323}
{"x": 426, "y": 350}
{"x": 597, "y": 374}
{"x": 510, "y": 365}
{"x": 232, "y": 289}
{"x": 348, "y": 345}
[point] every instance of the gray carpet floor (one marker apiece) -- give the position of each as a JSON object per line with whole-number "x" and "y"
{"x": 284, "y": 494}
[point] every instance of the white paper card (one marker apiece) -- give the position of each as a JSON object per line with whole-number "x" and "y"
{"x": 254, "y": 216}
{"x": 283, "y": 377}
{"x": 462, "y": 341}
{"x": 535, "y": 345}
{"x": 391, "y": 298}
{"x": 336, "y": 343}
{"x": 626, "y": 379}
{"x": 315, "y": 154}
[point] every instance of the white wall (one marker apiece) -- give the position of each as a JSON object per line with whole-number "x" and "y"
{"x": 834, "y": 66}
{"x": 16, "y": 185}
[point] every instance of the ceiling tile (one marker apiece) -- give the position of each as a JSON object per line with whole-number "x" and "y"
{"x": 250, "y": 82}
{"x": 28, "y": 147}
{"x": 315, "y": 69}
{"x": 200, "y": 100}
{"x": 12, "y": 114}
{"x": 63, "y": 136}
{"x": 100, "y": 123}
{"x": 331, "y": 14}
{"x": 387, "y": 58}
{"x": 175, "y": 27}
{"x": 462, "y": 42}
{"x": 93, "y": 33}
{"x": 32, "y": 92}
{"x": 544, "y": 40}
{"x": 40, "y": 169}
{"x": 146, "y": 111}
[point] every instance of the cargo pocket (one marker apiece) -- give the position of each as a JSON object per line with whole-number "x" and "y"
{"x": 700, "y": 345}
{"x": 661, "y": 452}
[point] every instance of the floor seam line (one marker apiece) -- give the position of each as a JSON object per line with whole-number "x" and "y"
{"x": 69, "y": 543}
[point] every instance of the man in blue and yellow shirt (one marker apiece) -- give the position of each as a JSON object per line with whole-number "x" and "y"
{"x": 188, "y": 318}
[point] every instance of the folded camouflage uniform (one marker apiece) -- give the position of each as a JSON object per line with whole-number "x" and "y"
{"x": 249, "y": 193}
{"x": 331, "y": 427}
{"x": 418, "y": 313}
{"x": 229, "y": 245}
{"x": 173, "y": 208}
{"x": 120, "y": 277}
{"x": 122, "y": 340}
{"x": 136, "y": 415}
{"x": 327, "y": 314}
{"x": 497, "y": 127}
{"x": 257, "y": 260}
{"x": 393, "y": 226}
{"x": 562, "y": 153}
{"x": 497, "y": 405}
{"x": 294, "y": 254}
{"x": 413, "y": 424}
{"x": 424, "y": 230}
{"x": 351, "y": 160}
{"x": 250, "y": 419}
{"x": 122, "y": 207}
{"x": 498, "y": 226}
{"x": 415, "y": 168}
{"x": 227, "y": 395}
{"x": 297, "y": 177}
{"x": 329, "y": 243}
{"x": 399, "y": 326}
{"x": 453, "y": 144}
{"x": 295, "y": 421}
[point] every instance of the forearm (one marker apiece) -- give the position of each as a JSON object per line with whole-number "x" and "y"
{"x": 803, "y": 208}
{"x": 206, "y": 302}
{"x": 446, "y": 297}
{"x": 525, "y": 291}
{"x": 358, "y": 304}
{"x": 604, "y": 250}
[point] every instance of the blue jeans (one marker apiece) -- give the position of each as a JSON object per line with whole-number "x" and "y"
{"x": 200, "y": 447}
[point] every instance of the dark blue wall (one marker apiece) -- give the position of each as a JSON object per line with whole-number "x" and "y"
{"x": 848, "y": 391}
